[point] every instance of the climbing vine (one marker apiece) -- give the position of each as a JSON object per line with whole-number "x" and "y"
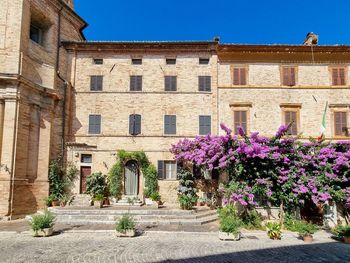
{"x": 148, "y": 170}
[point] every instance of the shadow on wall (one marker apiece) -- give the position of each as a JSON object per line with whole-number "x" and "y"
{"x": 325, "y": 252}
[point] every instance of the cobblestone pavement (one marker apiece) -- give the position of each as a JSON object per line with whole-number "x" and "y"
{"x": 167, "y": 247}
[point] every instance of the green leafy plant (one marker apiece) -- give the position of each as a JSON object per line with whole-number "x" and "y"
{"x": 342, "y": 231}
{"x": 65, "y": 198}
{"x": 155, "y": 196}
{"x": 291, "y": 223}
{"x": 48, "y": 200}
{"x": 187, "y": 196}
{"x": 229, "y": 220}
{"x": 126, "y": 222}
{"x": 40, "y": 222}
{"x": 187, "y": 201}
{"x": 99, "y": 197}
{"x": 306, "y": 229}
{"x": 96, "y": 184}
{"x": 56, "y": 181}
{"x": 274, "y": 230}
{"x": 151, "y": 180}
{"x": 251, "y": 219}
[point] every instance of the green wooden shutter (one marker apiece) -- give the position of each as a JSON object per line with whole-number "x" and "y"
{"x": 161, "y": 172}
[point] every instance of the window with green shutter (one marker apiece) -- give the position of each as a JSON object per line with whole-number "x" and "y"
{"x": 204, "y": 125}
{"x": 204, "y": 83}
{"x": 94, "y": 124}
{"x": 170, "y": 124}
{"x": 136, "y": 83}
{"x": 134, "y": 124}
{"x": 167, "y": 170}
{"x": 96, "y": 83}
{"x": 170, "y": 83}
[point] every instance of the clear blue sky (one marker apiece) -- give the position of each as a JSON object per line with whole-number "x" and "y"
{"x": 243, "y": 21}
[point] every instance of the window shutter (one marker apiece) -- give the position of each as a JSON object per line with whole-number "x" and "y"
{"x": 137, "y": 125}
{"x": 173, "y": 124}
{"x": 166, "y": 124}
{"x": 94, "y": 124}
{"x": 244, "y": 120}
{"x": 131, "y": 124}
{"x": 236, "y": 76}
{"x": 335, "y": 77}
{"x": 139, "y": 83}
{"x": 132, "y": 83}
{"x": 204, "y": 125}
{"x": 178, "y": 169}
{"x": 167, "y": 83}
{"x": 292, "y": 77}
{"x": 285, "y": 77}
{"x": 174, "y": 83}
{"x": 161, "y": 169}
{"x": 341, "y": 76}
{"x": 207, "y": 83}
{"x": 243, "y": 80}
{"x": 200, "y": 83}
{"x": 92, "y": 82}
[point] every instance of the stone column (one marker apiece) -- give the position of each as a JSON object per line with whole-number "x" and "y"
{"x": 7, "y": 152}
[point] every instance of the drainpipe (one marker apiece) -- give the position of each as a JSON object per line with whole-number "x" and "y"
{"x": 65, "y": 85}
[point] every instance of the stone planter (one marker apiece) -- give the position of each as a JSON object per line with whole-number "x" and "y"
{"x": 151, "y": 203}
{"x": 56, "y": 203}
{"x": 127, "y": 233}
{"x": 347, "y": 240}
{"x": 98, "y": 204}
{"x": 308, "y": 239}
{"x": 229, "y": 236}
{"x": 46, "y": 232}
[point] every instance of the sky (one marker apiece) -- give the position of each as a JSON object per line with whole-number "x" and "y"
{"x": 243, "y": 21}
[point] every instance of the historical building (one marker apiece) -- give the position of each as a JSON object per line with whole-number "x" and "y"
{"x": 33, "y": 92}
{"x": 95, "y": 98}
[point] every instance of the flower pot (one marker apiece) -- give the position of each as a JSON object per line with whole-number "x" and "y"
{"x": 148, "y": 201}
{"x": 55, "y": 203}
{"x": 46, "y": 232}
{"x": 62, "y": 204}
{"x": 308, "y": 238}
{"x": 347, "y": 240}
{"x": 127, "y": 233}
{"x": 98, "y": 204}
{"x": 229, "y": 236}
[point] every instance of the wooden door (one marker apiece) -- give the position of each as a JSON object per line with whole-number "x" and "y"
{"x": 85, "y": 171}
{"x": 131, "y": 183}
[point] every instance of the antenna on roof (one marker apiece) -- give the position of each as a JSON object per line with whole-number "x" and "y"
{"x": 311, "y": 39}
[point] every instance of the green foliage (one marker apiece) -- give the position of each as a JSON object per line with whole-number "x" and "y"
{"x": 40, "y": 222}
{"x": 155, "y": 196}
{"x": 290, "y": 223}
{"x": 115, "y": 175}
{"x": 229, "y": 220}
{"x": 126, "y": 222}
{"x": 306, "y": 229}
{"x": 99, "y": 197}
{"x": 251, "y": 219}
{"x": 274, "y": 230}
{"x": 342, "y": 231}
{"x": 96, "y": 184}
{"x": 186, "y": 191}
{"x": 48, "y": 200}
{"x": 187, "y": 201}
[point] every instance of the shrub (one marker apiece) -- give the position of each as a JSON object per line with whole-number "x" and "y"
{"x": 251, "y": 219}
{"x": 115, "y": 179}
{"x": 342, "y": 231}
{"x": 56, "y": 181}
{"x": 306, "y": 229}
{"x": 40, "y": 222}
{"x": 291, "y": 223}
{"x": 274, "y": 230}
{"x": 126, "y": 222}
{"x": 229, "y": 220}
{"x": 96, "y": 184}
{"x": 99, "y": 197}
{"x": 187, "y": 201}
{"x": 155, "y": 196}
{"x": 151, "y": 180}
{"x": 48, "y": 200}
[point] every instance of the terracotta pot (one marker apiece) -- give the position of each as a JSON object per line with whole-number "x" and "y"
{"x": 55, "y": 203}
{"x": 347, "y": 240}
{"x": 308, "y": 239}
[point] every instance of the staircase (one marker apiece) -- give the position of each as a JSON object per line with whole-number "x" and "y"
{"x": 143, "y": 216}
{"x": 81, "y": 200}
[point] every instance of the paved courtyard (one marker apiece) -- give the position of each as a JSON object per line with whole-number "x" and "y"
{"x": 166, "y": 247}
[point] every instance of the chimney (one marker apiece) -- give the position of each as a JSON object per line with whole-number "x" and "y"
{"x": 311, "y": 39}
{"x": 216, "y": 39}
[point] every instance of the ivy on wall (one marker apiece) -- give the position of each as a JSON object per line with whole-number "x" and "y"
{"x": 148, "y": 170}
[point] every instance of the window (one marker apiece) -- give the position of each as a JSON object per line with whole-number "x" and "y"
{"x": 338, "y": 76}
{"x": 36, "y": 34}
{"x": 98, "y": 61}
{"x": 86, "y": 158}
{"x": 136, "y": 83}
{"x": 170, "y": 83}
{"x": 136, "y": 61}
{"x": 340, "y": 123}
{"x": 96, "y": 83}
{"x": 167, "y": 170}
{"x": 240, "y": 120}
{"x": 170, "y": 61}
{"x": 288, "y": 76}
{"x": 134, "y": 124}
{"x": 204, "y": 61}
{"x": 170, "y": 124}
{"x": 204, "y": 125}
{"x": 204, "y": 83}
{"x": 291, "y": 118}
{"x": 94, "y": 124}
{"x": 239, "y": 76}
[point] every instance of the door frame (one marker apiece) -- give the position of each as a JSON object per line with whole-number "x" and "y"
{"x": 137, "y": 176}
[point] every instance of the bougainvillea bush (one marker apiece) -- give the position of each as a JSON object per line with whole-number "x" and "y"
{"x": 279, "y": 170}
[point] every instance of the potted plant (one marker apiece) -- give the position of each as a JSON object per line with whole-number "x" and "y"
{"x": 125, "y": 226}
{"x": 64, "y": 200}
{"x": 155, "y": 197}
{"x": 230, "y": 224}
{"x": 201, "y": 201}
{"x": 186, "y": 201}
{"x": 48, "y": 200}
{"x": 42, "y": 224}
{"x": 343, "y": 232}
{"x": 274, "y": 230}
{"x": 55, "y": 200}
{"x": 98, "y": 200}
{"x": 306, "y": 230}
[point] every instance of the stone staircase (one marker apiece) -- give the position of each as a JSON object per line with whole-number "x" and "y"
{"x": 81, "y": 200}
{"x": 143, "y": 216}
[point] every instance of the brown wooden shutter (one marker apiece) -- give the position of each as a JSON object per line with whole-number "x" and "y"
{"x": 244, "y": 120}
{"x": 292, "y": 77}
{"x": 243, "y": 80}
{"x": 335, "y": 77}
{"x": 341, "y": 79}
{"x": 236, "y": 76}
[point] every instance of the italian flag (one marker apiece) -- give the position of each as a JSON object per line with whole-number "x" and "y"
{"x": 323, "y": 124}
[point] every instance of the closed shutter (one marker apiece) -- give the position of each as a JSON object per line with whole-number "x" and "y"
{"x": 239, "y": 76}
{"x": 341, "y": 76}
{"x": 204, "y": 83}
{"x": 288, "y": 75}
{"x": 290, "y": 117}
{"x": 170, "y": 83}
{"x": 292, "y": 77}
{"x": 135, "y": 83}
{"x": 170, "y": 124}
{"x": 236, "y": 76}
{"x": 207, "y": 83}
{"x": 137, "y": 128}
{"x": 204, "y": 125}
{"x": 335, "y": 77}
{"x": 139, "y": 83}
{"x": 338, "y": 76}
{"x": 96, "y": 83}
{"x": 243, "y": 80}
{"x": 179, "y": 166}
{"x": 131, "y": 124}
{"x": 161, "y": 174}
{"x": 94, "y": 124}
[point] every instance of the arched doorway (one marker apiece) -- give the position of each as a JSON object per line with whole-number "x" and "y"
{"x": 131, "y": 178}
